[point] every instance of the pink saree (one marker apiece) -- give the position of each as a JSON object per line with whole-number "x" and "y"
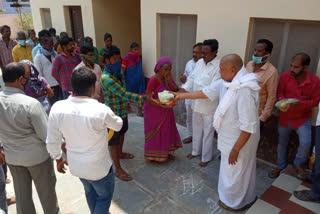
{"x": 161, "y": 135}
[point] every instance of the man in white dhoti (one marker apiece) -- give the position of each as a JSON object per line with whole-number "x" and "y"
{"x": 205, "y": 72}
{"x": 237, "y": 122}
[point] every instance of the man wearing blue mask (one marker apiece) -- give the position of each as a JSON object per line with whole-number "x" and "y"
{"x": 113, "y": 84}
{"x": 21, "y": 51}
{"x": 268, "y": 77}
{"x": 44, "y": 62}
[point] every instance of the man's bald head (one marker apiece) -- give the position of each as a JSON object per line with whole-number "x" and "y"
{"x": 233, "y": 59}
{"x": 230, "y": 65}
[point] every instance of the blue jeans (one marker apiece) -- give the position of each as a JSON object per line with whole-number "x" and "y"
{"x": 304, "y": 133}
{"x": 99, "y": 193}
{"x": 3, "y": 197}
{"x": 316, "y": 166}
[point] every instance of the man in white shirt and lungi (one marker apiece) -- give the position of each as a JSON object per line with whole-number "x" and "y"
{"x": 83, "y": 122}
{"x": 237, "y": 122}
{"x": 196, "y": 55}
{"x": 205, "y": 72}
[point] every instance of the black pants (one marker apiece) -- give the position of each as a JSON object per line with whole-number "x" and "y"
{"x": 115, "y": 140}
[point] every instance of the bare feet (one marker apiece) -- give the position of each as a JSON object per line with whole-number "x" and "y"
{"x": 203, "y": 164}
{"x": 190, "y": 156}
{"x": 187, "y": 140}
{"x": 11, "y": 201}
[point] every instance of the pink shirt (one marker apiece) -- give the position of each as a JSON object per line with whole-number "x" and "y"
{"x": 6, "y": 52}
{"x": 98, "y": 94}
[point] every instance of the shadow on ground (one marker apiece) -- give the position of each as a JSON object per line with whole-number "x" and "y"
{"x": 178, "y": 187}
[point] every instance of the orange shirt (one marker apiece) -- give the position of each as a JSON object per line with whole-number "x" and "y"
{"x": 268, "y": 79}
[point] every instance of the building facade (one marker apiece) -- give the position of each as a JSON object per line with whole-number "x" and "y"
{"x": 172, "y": 27}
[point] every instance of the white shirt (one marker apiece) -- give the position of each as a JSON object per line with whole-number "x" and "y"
{"x": 202, "y": 76}
{"x": 83, "y": 123}
{"x": 242, "y": 115}
{"x": 44, "y": 67}
{"x": 318, "y": 117}
{"x": 187, "y": 72}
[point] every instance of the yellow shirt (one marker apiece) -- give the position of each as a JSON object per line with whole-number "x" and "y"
{"x": 21, "y": 53}
{"x": 59, "y": 49}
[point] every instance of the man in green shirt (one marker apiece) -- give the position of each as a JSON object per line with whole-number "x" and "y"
{"x": 113, "y": 83}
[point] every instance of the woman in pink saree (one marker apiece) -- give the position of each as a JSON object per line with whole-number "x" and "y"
{"x": 161, "y": 134}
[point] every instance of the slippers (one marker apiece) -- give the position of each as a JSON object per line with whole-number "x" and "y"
{"x": 126, "y": 155}
{"x": 222, "y": 205}
{"x": 305, "y": 177}
{"x": 275, "y": 173}
{"x": 124, "y": 176}
{"x": 306, "y": 195}
{"x": 187, "y": 140}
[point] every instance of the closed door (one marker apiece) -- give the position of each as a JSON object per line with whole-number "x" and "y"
{"x": 289, "y": 37}
{"x": 76, "y": 24}
{"x": 177, "y": 37}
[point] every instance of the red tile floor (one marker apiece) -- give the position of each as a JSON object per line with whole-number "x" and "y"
{"x": 279, "y": 198}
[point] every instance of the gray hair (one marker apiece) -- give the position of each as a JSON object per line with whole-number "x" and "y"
{"x": 22, "y": 33}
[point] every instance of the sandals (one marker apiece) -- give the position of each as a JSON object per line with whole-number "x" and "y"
{"x": 305, "y": 195}
{"x": 187, "y": 140}
{"x": 124, "y": 176}
{"x": 224, "y": 206}
{"x": 306, "y": 177}
{"x": 126, "y": 155}
{"x": 275, "y": 173}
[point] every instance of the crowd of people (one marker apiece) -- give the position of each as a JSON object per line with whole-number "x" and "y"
{"x": 69, "y": 102}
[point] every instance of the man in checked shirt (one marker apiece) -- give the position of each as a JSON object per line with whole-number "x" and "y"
{"x": 113, "y": 83}
{"x": 64, "y": 64}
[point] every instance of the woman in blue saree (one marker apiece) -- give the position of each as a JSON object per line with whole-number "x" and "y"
{"x": 132, "y": 64}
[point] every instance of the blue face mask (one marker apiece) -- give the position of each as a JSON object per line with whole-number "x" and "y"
{"x": 115, "y": 68}
{"x": 22, "y": 42}
{"x": 258, "y": 59}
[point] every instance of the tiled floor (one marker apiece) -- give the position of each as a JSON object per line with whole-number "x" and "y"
{"x": 279, "y": 198}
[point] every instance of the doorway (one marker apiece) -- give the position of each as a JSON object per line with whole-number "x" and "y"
{"x": 76, "y": 24}
{"x": 177, "y": 37}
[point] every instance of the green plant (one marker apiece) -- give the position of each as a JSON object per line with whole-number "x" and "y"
{"x": 2, "y": 10}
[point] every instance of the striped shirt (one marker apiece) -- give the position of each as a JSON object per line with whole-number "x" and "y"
{"x": 6, "y": 52}
{"x": 115, "y": 95}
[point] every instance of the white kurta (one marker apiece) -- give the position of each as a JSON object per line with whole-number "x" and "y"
{"x": 202, "y": 130}
{"x": 237, "y": 182}
{"x": 187, "y": 72}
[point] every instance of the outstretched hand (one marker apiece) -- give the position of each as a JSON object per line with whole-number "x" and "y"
{"x": 177, "y": 96}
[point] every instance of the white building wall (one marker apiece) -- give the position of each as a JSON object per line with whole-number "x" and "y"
{"x": 59, "y": 15}
{"x": 228, "y": 21}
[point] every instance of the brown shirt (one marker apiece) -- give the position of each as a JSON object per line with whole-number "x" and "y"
{"x": 268, "y": 79}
